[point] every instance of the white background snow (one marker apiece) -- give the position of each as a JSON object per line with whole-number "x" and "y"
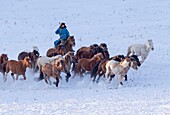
{"x": 118, "y": 23}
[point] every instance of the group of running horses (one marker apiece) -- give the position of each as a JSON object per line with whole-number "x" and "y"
{"x": 94, "y": 59}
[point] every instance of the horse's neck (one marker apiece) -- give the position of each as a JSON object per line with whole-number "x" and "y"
{"x": 68, "y": 46}
{"x": 147, "y": 48}
{"x": 23, "y": 64}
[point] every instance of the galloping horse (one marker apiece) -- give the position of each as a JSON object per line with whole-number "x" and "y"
{"x": 120, "y": 68}
{"x": 3, "y": 62}
{"x": 87, "y": 64}
{"x": 68, "y": 59}
{"x": 141, "y": 49}
{"x": 53, "y": 70}
{"x": 100, "y": 68}
{"x": 18, "y": 67}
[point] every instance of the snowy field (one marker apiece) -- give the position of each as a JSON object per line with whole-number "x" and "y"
{"x": 118, "y": 23}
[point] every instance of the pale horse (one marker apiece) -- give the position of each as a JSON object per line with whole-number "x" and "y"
{"x": 141, "y": 50}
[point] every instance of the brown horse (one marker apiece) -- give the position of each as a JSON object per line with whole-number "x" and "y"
{"x": 89, "y": 52}
{"x": 18, "y": 67}
{"x": 34, "y": 55}
{"x": 52, "y": 70}
{"x": 3, "y": 62}
{"x": 70, "y": 43}
{"x": 58, "y": 50}
{"x": 87, "y": 64}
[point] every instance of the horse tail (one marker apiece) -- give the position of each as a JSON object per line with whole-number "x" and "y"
{"x": 95, "y": 69}
{"x": 41, "y": 76}
{"x": 4, "y": 68}
{"x": 129, "y": 50}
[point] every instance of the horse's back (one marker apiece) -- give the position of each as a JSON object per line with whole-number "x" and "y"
{"x": 22, "y": 55}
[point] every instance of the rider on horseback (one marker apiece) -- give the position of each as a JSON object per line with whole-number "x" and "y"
{"x": 63, "y": 33}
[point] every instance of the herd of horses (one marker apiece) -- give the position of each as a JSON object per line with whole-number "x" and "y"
{"x": 94, "y": 59}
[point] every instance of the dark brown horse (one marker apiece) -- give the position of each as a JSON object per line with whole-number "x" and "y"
{"x": 3, "y": 62}
{"x": 18, "y": 67}
{"x": 89, "y": 52}
{"x": 53, "y": 70}
{"x": 87, "y": 64}
{"x": 34, "y": 55}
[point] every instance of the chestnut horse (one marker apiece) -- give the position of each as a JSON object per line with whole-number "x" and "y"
{"x": 18, "y": 67}
{"x": 87, "y": 64}
{"x": 3, "y": 62}
{"x": 53, "y": 70}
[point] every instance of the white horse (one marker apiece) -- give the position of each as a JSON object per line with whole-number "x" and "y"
{"x": 44, "y": 59}
{"x": 117, "y": 68}
{"x": 141, "y": 49}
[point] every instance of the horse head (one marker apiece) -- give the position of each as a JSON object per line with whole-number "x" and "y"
{"x": 71, "y": 40}
{"x": 136, "y": 59}
{"x": 150, "y": 44}
{"x": 103, "y": 46}
{"x": 27, "y": 62}
{"x": 3, "y": 58}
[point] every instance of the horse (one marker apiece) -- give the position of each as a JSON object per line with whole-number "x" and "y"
{"x": 120, "y": 68}
{"x": 17, "y": 67}
{"x": 68, "y": 58}
{"x": 53, "y": 70}
{"x": 58, "y": 50}
{"x": 103, "y": 46}
{"x": 70, "y": 43}
{"x": 87, "y": 64}
{"x": 100, "y": 67}
{"x": 44, "y": 59}
{"x": 3, "y": 62}
{"x": 89, "y": 52}
{"x": 141, "y": 49}
{"x": 32, "y": 55}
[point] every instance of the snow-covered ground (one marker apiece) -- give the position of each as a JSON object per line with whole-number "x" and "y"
{"x": 118, "y": 23}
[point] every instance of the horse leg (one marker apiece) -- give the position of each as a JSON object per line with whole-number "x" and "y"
{"x": 73, "y": 68}
{"x": 119, "y": 79}
{"x": 45, "y": 78}
{"x": 97, "y": 81}
{"x": 68, "y": 76}
{"x": 4, "y": 77}
{"x": 17, "y": 77}
{"x": 111, "y": 77}
{"x": 24, "y": 76}
{"x": 12, "y": 74}
{"x": 57, "y": 81}
{"x": 49, "y": 80}
{"x": 125, "y": 77}
{"x": 81, "y": 72}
